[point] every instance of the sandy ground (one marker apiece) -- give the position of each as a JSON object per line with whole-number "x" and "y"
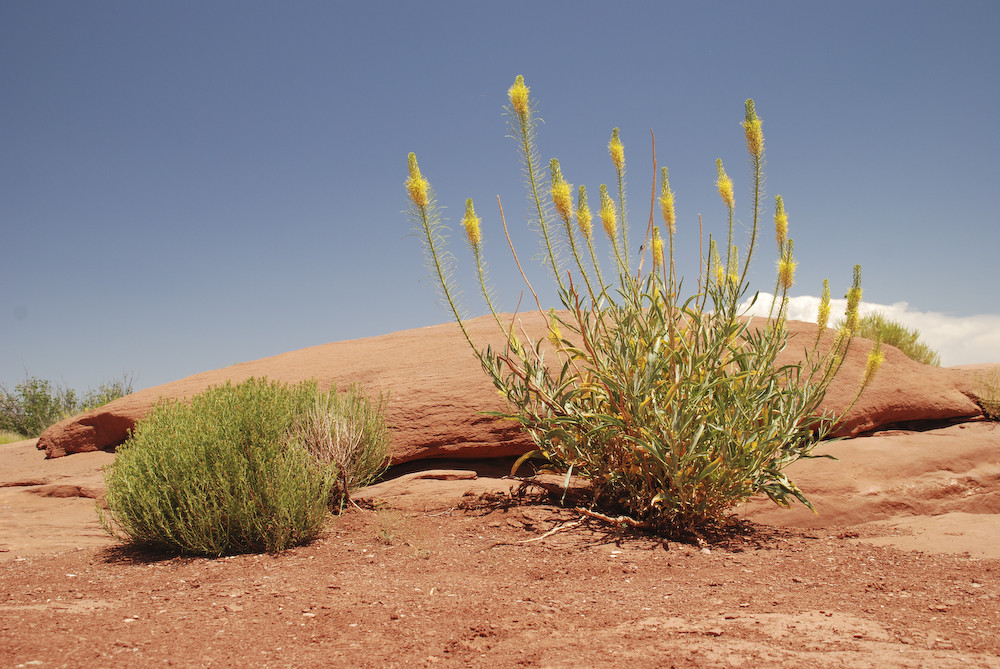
{"x": 901, "y": 568}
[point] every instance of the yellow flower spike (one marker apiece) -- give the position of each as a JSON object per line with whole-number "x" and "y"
{"x": 852, "y": 318}
{"x": 657, "y": 249}
{"x": 609, "y": 218}
{"x": 555, "y": 335}
{"x": 753, "y": 129}
{"x": 823, "y": 317}
{"x": 471, "y": 224}
{"x": 734, "y": 264}
{"x": 617, "y": 150}
{"x": 518, "y": 95}
{"x": 416, "y": 184}
{"x": 561, "y": 192}
{"x": 780, "y": 221}
{"x": 725, "y": 185}
{"x": 583, "y": 216}
{"x": 667, "y": 202}
{"x": 716, "y": 263}
{"x": 786, "y": 268}
{"x": 875, "y": 359}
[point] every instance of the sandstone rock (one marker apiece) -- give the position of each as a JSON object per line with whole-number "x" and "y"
{"x": 436, "y": 389}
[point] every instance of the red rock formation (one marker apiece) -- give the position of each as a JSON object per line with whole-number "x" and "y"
{"x": 436, "y": 389}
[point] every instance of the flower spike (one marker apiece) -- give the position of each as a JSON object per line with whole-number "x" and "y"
{"x": 416, "y": 184}
{"x": 667, "y": 202}
{"x": 724, "y": 184}
{"x": 471, "y": 224}
{"x": 583, "y": 216}
{"x": 518, "y": 95}
{"x": 780, "y": 221}
{"x": 752, "y": 128}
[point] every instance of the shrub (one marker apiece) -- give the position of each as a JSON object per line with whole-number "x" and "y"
{"x": 35, "y": 403}
{"x": 219, "y": 475}
{"x": 346, "y": 431}
{"x": 988, "y": 390}
{"x": 106, "y": 393}
{"x": 879, "y": 326}
{"x": 672, "y": 406}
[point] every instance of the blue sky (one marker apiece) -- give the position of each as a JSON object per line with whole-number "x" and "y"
{"x": 187, "y": 185}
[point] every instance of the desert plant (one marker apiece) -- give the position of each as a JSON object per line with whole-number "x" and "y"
{"x": 879, "y": 326}
{"x": 219, "y": 474}
{"x": 35, "y": 403}
{"x": 347, "y": 432}
{"x": 106, "y": 393}
{"x": 673, "y": 406}
{"x": 988, "y": 392}
{"x": 9, "y": 436}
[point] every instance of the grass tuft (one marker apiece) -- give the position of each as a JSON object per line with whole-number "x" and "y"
{"x": 988, "y": 391}
{"x": 9, "y": 436}
{"x": 347, "y": 432}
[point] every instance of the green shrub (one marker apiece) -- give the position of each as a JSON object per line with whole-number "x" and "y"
{"x": 106, "y": 393}
{"x": 219, "y": 475}
{"x": 672, "y": 406}
{"x": 35, "y": 403}
{"x": 346, "y": 431}
{"x": 879, "y": 326}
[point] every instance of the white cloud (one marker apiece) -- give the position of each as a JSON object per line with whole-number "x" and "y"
{"x": 961, "y": 340}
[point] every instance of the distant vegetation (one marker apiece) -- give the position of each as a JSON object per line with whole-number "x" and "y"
{"x": 988, "y": 389}
{"x": 34, "y": 404}
{"x": 879, "y": 326}
{"x": 8, "y": 437}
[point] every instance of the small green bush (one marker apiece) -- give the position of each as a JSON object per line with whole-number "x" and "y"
{"x": 245, "y": 468}
{"x": 346, "y": 431}
{"x": 672, "y": 405}
{"x": 35, "y": 403}
{"x": 220, "y": 475}
{"x": 879, "y": 326}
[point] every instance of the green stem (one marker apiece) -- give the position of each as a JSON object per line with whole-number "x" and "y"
{"x": 621, "y": 210}
{"x": 527, "y": 149}
{"x": 425, "y": 222}
{"x": 757, "y": 188}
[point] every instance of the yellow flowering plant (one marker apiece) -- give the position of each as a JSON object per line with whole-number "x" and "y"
{"x": 675, "y": 408}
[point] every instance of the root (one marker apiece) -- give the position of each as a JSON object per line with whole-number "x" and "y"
{"x": 620, "y": 520}
{"x": 564, "y": 526}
